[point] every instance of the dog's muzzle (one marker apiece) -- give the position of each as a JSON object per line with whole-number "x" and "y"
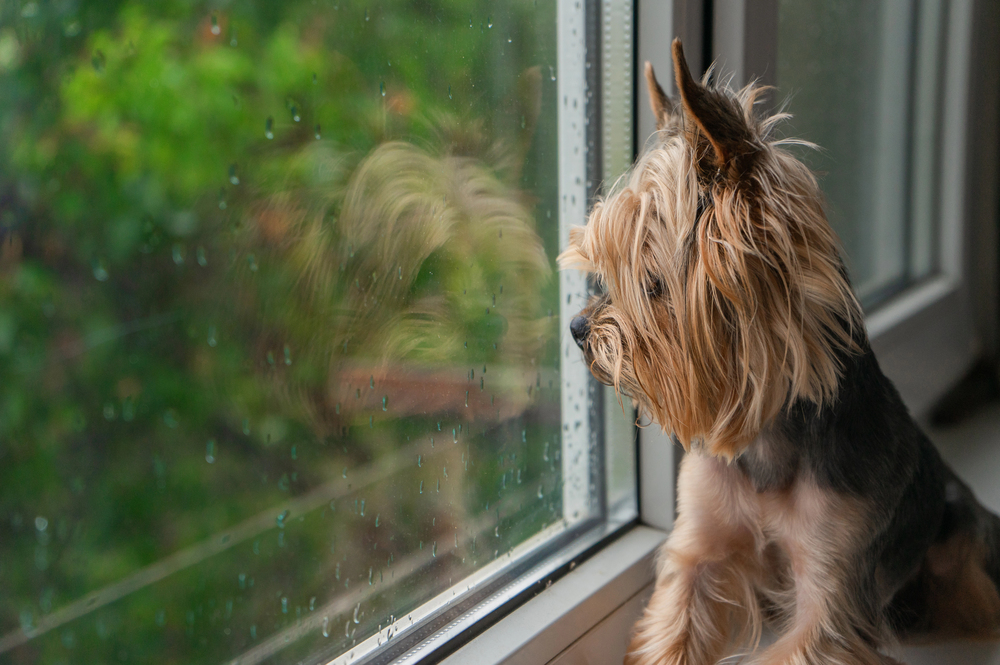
{"x": 579, "y": 327}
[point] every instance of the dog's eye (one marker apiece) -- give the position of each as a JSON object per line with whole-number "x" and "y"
{"x": 702, "y": 202}
{"x": 654, "y": 288}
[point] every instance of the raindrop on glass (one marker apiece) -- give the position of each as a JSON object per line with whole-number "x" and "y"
{"x": 178, "y": 254}
{"x": 98, "y": 61}
{"x": 100, "y": 272}
{"x": 210, "y": 451}
{"x": 552, "y": 73}
{"x": 215, "y": 25}
{"x": 288, "y": 355}
{"x": 200, "y": 254}
{"x": 222, "y": 198}
{"x": 282, "y": 518}
{"x": 295, "y": 113}
{"x": 269, "y": 127}
{"x": 212, "y": 341}
{"x": 326, "y": 626}
{"x": 233, "y": 178}
{"x": 381, "y": 88}
{"x": 284, "y": 605}
{"x": 449, "y": 92}
{"x": 318, "y": 133}
{"x": 246, "y": 426}
{"x": 489, "y": 22}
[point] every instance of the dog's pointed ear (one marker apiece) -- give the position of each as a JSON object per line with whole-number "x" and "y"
{"x": 658, "y": 100}
{"x": 716, "y": 117}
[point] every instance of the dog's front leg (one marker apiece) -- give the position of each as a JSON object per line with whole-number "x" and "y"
{"x": 834, "y": 612}
{"x": 706, "y": 573}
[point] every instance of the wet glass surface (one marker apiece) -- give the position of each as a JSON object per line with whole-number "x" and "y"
{"x": 278, "y": 319}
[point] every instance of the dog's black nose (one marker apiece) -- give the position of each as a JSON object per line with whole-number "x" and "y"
{"x": 579, "y": 327}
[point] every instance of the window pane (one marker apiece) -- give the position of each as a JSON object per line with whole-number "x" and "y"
{"x": 279, "y": 322}
{"x": 864, "y": 82}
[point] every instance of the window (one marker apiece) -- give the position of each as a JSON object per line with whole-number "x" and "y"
{"x": 282, "y": 338}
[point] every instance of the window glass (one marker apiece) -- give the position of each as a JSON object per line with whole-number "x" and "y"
{"x": 279, "y": 321}
{"x": 864, "y": 79}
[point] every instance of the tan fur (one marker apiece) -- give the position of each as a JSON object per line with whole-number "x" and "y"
{"x": 753, "y": 302}
{"x": 720, "y": 559}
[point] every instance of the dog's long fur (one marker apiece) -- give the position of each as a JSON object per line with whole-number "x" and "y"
{"x": 810, "y": 500}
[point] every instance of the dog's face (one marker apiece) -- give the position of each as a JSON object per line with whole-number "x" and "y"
{"x": 724, "y": 297}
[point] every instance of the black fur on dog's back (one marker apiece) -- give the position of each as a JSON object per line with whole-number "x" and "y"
{"x": 933, "y": 563}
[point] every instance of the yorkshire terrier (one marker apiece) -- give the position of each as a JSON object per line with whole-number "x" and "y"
{"x": 809, "y": 500}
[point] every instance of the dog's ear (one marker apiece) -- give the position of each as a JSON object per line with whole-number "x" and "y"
{"x": 658, "y": 100}
{"x": 718, "y": 120}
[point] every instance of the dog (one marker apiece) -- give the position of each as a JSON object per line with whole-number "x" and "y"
{"x": 809, "y": 500}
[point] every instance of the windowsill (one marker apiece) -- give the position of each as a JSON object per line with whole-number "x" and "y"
{"x": 546, "y": 625}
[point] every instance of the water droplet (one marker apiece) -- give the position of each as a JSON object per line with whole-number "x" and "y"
{"x": 419, "y": 460}
{"x": 100, "y": 272}
{"x": 434, "y": 549}
{"x": 336, "y": 572}
{"x": 356, "y": 608}
{"x": 178, "y": 253}
{"x": 210, "y": 451}
{"x": 366, "y": 19}
{"x": 200, "y": 254}
{"x": 421, "y": 490}
{"x": 98, "y": 61}
{"x": 246, "y": 426}
{"x": 233, "y": 178}
{"x": 253, "y": 631}
{"x": 385, "y": 402}
{"x": 444, "y": 469}
{"x": 318, "y": 134}
{"x": 377, "y": 517}
{"x": 243, "y": 580}
{"x": 381, "y": 88}
{"x": 489, "y": 22}
{"x": 362, "y": 507}
{"x": 295, "y": 113}
{"x": 295, "y": 454}
{"x": 552, "y": 73}
{"x": 282, "y": 518}
{"x": 41, "y": 523}
{"x": 270, "y": 358}
{"x": 109, "y": 411}
{"x": 344, "y": 472}
{"x": 449, "y": 92}
{"x": 315, "y": 80}
{"x": 312, "y": 603}
{"x": 288, "y": 355}
{"x": 215, "y": 25}
{"x": 222, "y": 198}
{"x": 284, "y": 605}
{"x": 466, "y": 398}
{"x": 370, "y": 579}
{"x": 539, "y": 492}
{"x": 438, "y": 488}
{"x": 269, "y": 127}
{"x": 326, "y": 626}
{"x": 212, "y": 341}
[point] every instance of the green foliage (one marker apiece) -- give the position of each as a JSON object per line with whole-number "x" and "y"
{"x": 201, "y": 325}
